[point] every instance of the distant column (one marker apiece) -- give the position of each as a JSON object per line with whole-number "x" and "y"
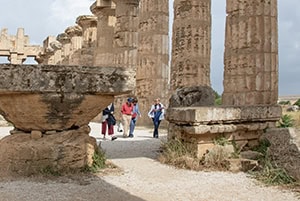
{"x": 126, "y": 33}
{"x": 191, "y": 43}
{"x": 105, "y": 11}
{"x": 251, "y": 53}
{"x": 88, "y": 23}
{"x": 75, "y": 34}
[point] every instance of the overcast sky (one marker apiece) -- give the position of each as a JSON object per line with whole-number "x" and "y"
{"x": 41, "y": 18}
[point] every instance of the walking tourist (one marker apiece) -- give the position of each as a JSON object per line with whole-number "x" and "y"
{"x": 135, "y": 114}
{"x": 156, "y": 113}
{"x": 127, "y": 109}
{"x": 108, "y": 121}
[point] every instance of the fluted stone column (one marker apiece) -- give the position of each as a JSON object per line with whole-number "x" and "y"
{"x": 191, "y": 43}
{"x": 75, "y": 34}
{"x": 153, "y": 53}
{"x": 65, "y": 40}
{"x": 126, "y": 33}
{"x": 88, "y": 23}
{"x": 17, "y": 55}
{"x": 251, "y": 53}
{"x": 105, "y": 12}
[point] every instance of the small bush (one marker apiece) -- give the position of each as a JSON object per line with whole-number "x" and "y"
{"x": 297, "y": 102}
{"x": 269, "y": 173}
{"x": 99, "y": 162}
{"x": 286, "y": 121}
{"x": 218, "y": 101}
{"x": 175, "y": 153}
{"x": 284, "y": 103}
{"x": 221, "y": 140}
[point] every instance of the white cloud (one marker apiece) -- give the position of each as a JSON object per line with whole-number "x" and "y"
{"x": 67, "y": 10}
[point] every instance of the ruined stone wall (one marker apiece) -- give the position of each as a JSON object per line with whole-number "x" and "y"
{"x": 191, "y": 43}
{"x": 251, "y": 53}
{"x": 17, "y": 48}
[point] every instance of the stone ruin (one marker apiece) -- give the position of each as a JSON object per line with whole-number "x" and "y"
{"x": 50, "y": 107}
{"x": 134, "y": 35}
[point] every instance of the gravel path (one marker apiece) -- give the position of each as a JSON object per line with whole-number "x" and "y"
{"x": 142, "y": 178}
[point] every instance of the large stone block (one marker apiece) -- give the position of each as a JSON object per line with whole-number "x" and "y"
{"x": 44, "y": 97}
{"x": 223, "y": 114}
{"x": 61, "y": 152}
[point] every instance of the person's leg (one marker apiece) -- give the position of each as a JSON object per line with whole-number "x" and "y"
{"x": 132, "y": 126}
{"x": 110, "y": 129}
{"x": 158, "y": 123}
{"x": 111, "y": 132}
{"x": 103, "y": 129}
{"x": 155, "y": 130}
{"x": 126, "y": 120}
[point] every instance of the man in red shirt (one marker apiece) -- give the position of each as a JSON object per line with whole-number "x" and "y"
{"x": 126, "y": 111}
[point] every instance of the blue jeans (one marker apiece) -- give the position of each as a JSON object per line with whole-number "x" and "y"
{"x": 132, "y": 126}
{"x": 156, "y": 126}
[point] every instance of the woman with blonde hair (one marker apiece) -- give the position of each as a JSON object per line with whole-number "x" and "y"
{"x": 156, "y": 113}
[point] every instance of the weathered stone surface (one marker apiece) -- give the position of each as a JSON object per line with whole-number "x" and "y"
{"x": 192, "y": 97}
{"x": 153, "y": 55}
{"x": 191, "y": 43}
{"x": 251, "y": 53}
{"x": 17, "y": 48}
{"x": 223, "y": 114}
{"x": 35, "y": 97}
{"x": 36, "y": 134}
{"x": 70, "y": 150}
{"x": 285, "y": 149}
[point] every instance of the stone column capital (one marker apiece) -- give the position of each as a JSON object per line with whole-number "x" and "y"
{"x": 103, "y": 8}
{"x": 86, "y": 21}
{"x": 74, "y": 31}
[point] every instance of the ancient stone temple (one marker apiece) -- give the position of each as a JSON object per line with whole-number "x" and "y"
{"x": 17, "y": 48}
{"x": 123, "y": 49}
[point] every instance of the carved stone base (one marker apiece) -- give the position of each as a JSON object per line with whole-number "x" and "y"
{"x": 200, "y": 127}
{"x": 25, "y": 154}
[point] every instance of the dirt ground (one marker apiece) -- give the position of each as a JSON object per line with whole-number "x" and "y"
{"x": 140, "y": 177}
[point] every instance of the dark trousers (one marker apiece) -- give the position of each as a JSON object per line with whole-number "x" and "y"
{"x": 156, "y": 126}
{"x": 110, "y": 128}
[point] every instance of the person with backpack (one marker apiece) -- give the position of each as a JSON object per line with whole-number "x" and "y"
{"x": 108, "y": 121}
{"x": 156, "y": 113}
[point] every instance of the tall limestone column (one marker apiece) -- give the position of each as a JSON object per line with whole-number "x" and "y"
{"x": 88, "y": 23}
{"x": 126, "y": 33}
{"x": 105, "y": 11}
{"x": 191, "y": 43}
{"x": 75, "y": 34}
{"x": 251, "y": 53}
{"x": 153, "y": 54}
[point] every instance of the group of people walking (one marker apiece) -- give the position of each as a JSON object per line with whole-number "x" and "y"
{"x": 130, "y": 113}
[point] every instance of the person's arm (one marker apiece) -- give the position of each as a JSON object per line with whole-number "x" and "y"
{"x": 123, "y": 109}
{"x": 138, "y": 110}
{"x": 112, "y": 108}
{"x": 150, "y": 113}
{"x": 105, "y": 111}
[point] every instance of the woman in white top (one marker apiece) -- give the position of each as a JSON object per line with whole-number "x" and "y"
{"x": 156, "y": 113}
